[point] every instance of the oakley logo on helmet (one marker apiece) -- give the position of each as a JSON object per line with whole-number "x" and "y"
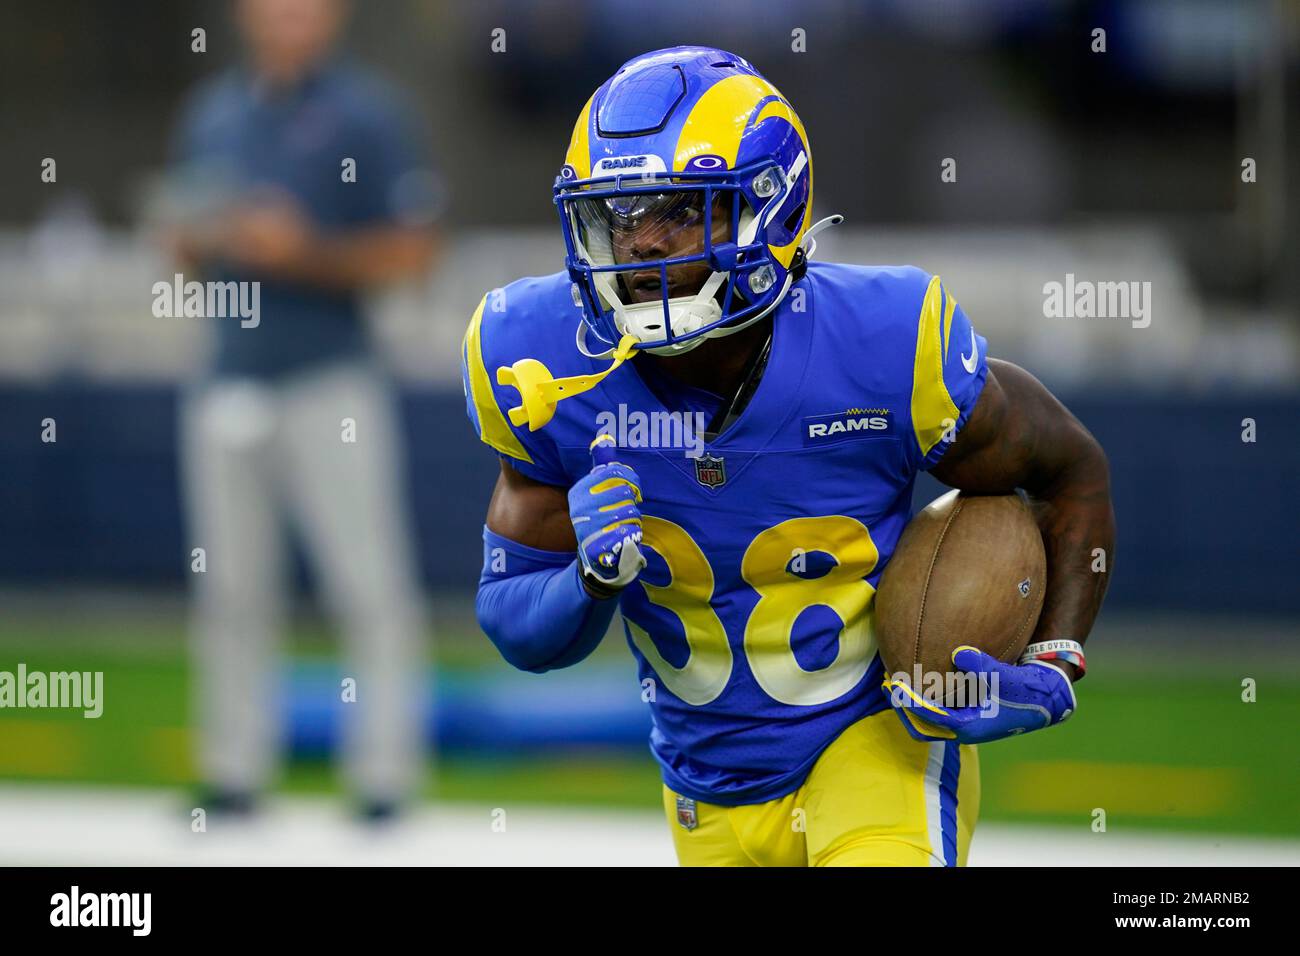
{"x": 706, "y": 162}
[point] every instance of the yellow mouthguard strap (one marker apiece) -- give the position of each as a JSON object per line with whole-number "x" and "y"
{"x": 540, "y": 391}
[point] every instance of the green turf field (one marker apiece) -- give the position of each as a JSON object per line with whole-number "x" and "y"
{"x": 1155, "y": 746}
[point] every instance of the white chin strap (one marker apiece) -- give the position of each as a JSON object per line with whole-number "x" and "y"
{"x": 645, "y": 320}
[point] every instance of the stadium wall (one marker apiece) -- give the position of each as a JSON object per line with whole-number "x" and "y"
{"x": 1206, "y": 520}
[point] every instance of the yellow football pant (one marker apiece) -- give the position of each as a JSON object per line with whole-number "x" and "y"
{"x": 875, "y": 797}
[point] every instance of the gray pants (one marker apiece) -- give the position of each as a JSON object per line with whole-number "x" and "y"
{"x": 255, "y": 458}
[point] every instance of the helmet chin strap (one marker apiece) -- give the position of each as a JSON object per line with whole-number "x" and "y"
{"x": 685, "y": 313}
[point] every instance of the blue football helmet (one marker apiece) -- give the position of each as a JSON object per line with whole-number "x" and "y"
{"x": 676, "y": 140}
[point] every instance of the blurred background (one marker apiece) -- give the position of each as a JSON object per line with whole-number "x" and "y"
{"x": 1115, "y": 166}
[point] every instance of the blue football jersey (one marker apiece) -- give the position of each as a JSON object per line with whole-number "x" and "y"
{"x": 752, "y": 624}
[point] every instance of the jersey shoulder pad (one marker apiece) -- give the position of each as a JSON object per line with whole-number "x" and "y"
{"x": 529, "y": 318}
{"x": 909, "y": 338}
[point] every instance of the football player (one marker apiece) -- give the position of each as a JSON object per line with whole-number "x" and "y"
{"x": 746, "y": 569}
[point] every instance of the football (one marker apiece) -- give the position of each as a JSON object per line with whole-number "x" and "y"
{"x": 968, "y": 569}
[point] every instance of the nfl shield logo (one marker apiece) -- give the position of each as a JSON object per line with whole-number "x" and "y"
{"x": 710, "y": 471}
{"x": 686, "y": 813}
{"x": 1024, "y": 588}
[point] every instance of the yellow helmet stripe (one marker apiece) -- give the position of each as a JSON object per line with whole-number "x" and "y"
{"x": 719, "y": 119}
{"x": 785, "y": 254}
{"x": 579, "y": 155}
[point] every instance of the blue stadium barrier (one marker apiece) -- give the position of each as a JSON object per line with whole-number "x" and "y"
{"x": 1207, "y": 522}
{"x": 497, "y": 711}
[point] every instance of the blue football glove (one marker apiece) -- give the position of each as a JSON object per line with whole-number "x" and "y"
{"x": 1023, "y": 697}
{"x": 606, "y": 519}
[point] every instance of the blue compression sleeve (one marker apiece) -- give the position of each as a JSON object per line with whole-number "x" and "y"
{"x": 533, "y": 606}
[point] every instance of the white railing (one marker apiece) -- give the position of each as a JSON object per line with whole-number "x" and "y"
{"x": 76, "y": 301}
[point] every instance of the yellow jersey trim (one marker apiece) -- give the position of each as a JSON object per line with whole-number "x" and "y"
{"x": 933, "y": 410}
{"x": 492, "y": 426}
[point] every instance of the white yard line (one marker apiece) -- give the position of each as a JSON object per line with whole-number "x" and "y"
{"x": 47, "y": 825}
{"x": 1025, "y": 845}
{"x": 57, "y": 825}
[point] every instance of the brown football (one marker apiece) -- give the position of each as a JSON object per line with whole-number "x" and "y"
{"x": 968, "y": 569}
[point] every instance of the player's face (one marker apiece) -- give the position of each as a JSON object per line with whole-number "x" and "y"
{"x": 664, "y": 226}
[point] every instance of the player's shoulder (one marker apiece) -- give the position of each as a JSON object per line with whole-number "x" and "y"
{"x": 532, "y": 317}
{"x": 895, "y": 330}
{"x": 882, "y": 279}
{"x": 870, "y": 299}
{"x": 871, "y": 310}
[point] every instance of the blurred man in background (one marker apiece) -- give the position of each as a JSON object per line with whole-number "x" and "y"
{"x": 304, "y": 174}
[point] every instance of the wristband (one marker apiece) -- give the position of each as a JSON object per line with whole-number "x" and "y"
{"x": 1060, "y": 650}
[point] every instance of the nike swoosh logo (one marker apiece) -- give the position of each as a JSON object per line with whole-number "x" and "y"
{"x": 969, "y": 361}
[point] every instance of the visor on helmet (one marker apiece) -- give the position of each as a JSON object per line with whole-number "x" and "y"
{"x": 653, "y": 243}
{"x": 663, "y": 254}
